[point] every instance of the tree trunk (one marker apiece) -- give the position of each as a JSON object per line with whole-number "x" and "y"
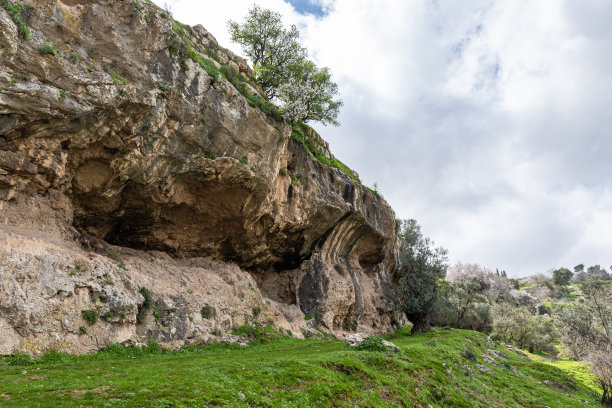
{"x": 606, "y": 398}
{"x": 421, "y": 322}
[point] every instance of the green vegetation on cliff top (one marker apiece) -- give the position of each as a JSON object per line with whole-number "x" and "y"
{"x": 431, "y": 369}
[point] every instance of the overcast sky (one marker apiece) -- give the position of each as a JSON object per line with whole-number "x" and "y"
{"x": 490, "y": 122}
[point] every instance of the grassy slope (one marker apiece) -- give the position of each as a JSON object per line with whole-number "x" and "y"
{"x": 294, "y": 373}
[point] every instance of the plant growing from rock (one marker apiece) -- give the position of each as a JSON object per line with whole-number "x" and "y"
{"x": 206, "y": 312}
{"x": 14, "y": 9}
{"x": 146, "y": 305}
{"x": 90, "y": 316}
{"x": 48, "y": 49}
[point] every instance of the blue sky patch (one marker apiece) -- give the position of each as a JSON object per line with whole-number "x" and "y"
{"x": 308, "y": 7}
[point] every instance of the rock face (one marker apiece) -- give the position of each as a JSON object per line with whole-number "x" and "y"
{"x": 126, "y": 162}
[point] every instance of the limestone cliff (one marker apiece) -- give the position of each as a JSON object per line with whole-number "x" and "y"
{"x": 131, "y": 157}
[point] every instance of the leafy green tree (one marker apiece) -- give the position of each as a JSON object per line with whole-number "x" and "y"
{"x": 463, "y": 305}
{"x": 281, "y": 67}
{"x": 309, "y": 95}
{"x": 421, "y": 267}
{"x": 517, "y": 325}
{"x": 274, "y": 51}
{"x": 587, "y": 331}
{"x": 562, "y": 276}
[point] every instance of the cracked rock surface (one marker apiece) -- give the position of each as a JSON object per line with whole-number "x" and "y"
{"x": 126, "y": 166}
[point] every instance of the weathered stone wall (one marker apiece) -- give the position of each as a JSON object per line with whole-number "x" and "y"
{"x": 124, "y": 165}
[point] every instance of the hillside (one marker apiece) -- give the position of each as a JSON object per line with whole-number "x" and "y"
{"x": 436, "y": 370}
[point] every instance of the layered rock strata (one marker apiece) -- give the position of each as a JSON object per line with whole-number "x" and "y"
{"x": 126, "y": 163}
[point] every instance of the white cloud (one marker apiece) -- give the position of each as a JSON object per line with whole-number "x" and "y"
{"x": 488, "y": 121}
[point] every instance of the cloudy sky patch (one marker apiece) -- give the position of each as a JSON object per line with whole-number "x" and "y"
{"x": 488, "y": 121}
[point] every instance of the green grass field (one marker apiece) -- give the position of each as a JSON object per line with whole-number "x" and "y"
{"x": 297, "y": 373}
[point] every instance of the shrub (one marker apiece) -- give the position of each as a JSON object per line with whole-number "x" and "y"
{"x": 153, "y": 347}
{"x": 48, "y": 49}
{"x": 206, "y": 312}
{"x": 469, "y": 354}
{"x": 350, "y": 325}
{"x": 118, "y": 79}
{"x": 20, "y": 359}
{"x": 542, "y": 309}
{"x": 15, "y": 10}
{"x": 146, "y": 305}
{"x": 372, "y": 343}
{"x": 212, "y": 55}
{"x": 90, "y": 316}
{"x": 51, "y": 356}
{"x": 136, "y": 4}
{"x": 206, "y": 64}
{"x": 256, "y": 311}
{"x": 209, "y": 155}
{"x": 257, "y": 333}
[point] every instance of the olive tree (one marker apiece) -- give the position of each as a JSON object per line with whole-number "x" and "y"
{"x": 562, "y": 276}
{"x": 282, "y": 68}
{"x": 587, "y": 331}
{"x": 421, "y": 267}
{"x": 274, "y": 51}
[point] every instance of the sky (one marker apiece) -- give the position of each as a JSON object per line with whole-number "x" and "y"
{"x": 487, "y": 121}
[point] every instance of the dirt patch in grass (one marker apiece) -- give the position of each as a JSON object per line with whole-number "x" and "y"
{"x": 102, "y": 390}
{"x": 109, "y": 374}
{"x": 32, "y": 378}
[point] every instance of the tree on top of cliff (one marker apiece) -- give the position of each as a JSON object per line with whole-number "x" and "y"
{"x": 274, "y": 50}
{"x": 421, "y": 267}
{"x": 309, "y": 95}
{"x": 283, "y": 70}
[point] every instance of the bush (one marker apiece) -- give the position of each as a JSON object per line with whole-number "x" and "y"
{"x": 469, "y": 354}
{"x": 48, "y": 49}
{"x": 206, "y": 312}
{"x": 51, "y": 356}
{"x": 371, "y": 343}
{"x": 543, "y": 309}
{"x": 350, "y": 326}
{"x": 146, "y": 305}
{"x": 257, "y": 333}
{"x": 90, "y": 316}
{"x": 20, "y": 359}
{"x": 517, "y": 325}
{"x": 256, "y": 311}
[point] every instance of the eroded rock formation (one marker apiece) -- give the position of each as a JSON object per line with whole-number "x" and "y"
{"x": 126, "y": 163}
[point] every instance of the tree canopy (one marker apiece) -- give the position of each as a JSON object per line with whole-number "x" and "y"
{"x": 421, "y": 267}
{"x": 281, "y": 65}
